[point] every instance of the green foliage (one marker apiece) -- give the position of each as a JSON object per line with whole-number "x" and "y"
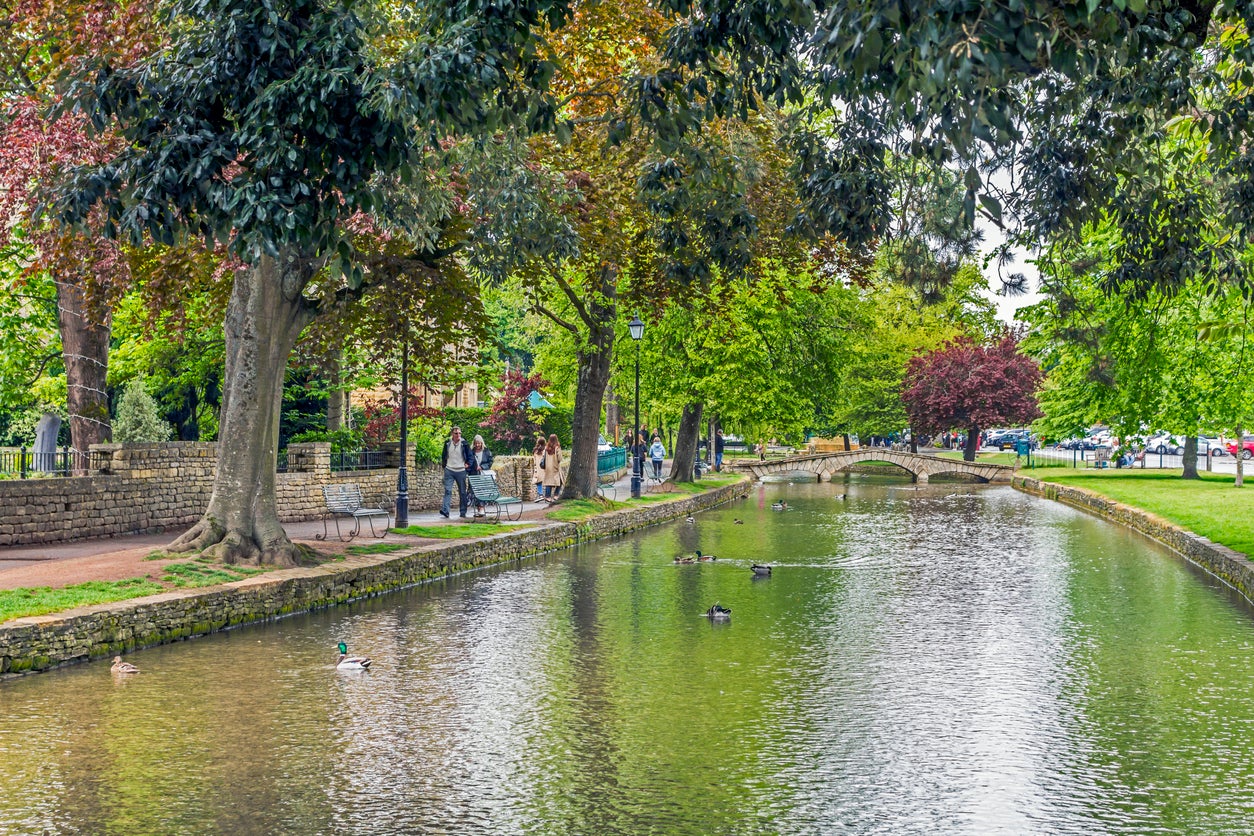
{"x": 137, "y": 419}
{"x": 342, "y": 441}
{"x": 41, "y": 600}
{"x": 556, "y": 422}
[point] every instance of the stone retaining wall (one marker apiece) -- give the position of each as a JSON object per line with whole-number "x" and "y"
{"x": 1230, "y": 566}
{"x": 42, "y": 642}
{"x": 146, "y": 488}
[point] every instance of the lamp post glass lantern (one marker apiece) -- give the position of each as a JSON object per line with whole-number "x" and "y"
{"x": 636, "y": 329}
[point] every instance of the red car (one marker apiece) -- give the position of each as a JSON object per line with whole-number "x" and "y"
{"x": 1247, "y": 447}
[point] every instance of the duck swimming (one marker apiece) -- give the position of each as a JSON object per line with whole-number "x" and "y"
{"x": 122, "y": 667}
{"x": 690, "y": 518}
{"x": 761, "y": 569}
{"x": 351, "y": 663}
{"x": 685, "y": 558}
{"x": 705, "y": 558}
{"x": 718, "y": 613}
{"x": 738, "y": 521}
{"x": 779, "y": 506}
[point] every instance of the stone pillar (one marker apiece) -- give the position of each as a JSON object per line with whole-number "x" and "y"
{"x": 920, "y": 478}
{"x": 311, "y": 457}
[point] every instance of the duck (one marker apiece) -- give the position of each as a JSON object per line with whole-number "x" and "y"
{"x": 718, "y": 613}
{"x": 685, "y": 558}
{"x": 842, "y": 496}
{"x": 705, "y": 558}
{"x": 738, "y": 521}
{"x": 779, "y": 506}
{"x": 761, "y": 569}
{"x": 122, "y": 667}
{"x": 690, "y": 518}
{"x": 351, "y": 663}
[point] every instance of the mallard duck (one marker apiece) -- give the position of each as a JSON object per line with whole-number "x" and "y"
{"x": 738, "y": 521}
{"x": 705, "y": 558}
{"x": 351, "y": 663}
{"x": 690, "y": 518}
{"x": 842, "y": 496}
{"x": 685, "y": 558}
{"x": 760, "y": 569}
{"x": 779, "y": 506}
{"x": 122, "y": 667}
{"x": 718, "y": 613}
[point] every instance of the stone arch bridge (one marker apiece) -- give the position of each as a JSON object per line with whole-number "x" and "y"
{"x": 920, "y": 467}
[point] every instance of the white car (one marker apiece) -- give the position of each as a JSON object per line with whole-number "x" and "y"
{"x": 603, "y": 446}
{"x": 1165, "y": 444}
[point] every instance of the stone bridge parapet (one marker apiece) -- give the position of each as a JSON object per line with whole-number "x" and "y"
{"x": 920, "y": 467}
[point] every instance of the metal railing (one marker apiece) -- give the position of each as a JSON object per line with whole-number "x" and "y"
{"x": 28, "y": 464}
{"x": 358, "y": 460}
{"x": 612, "y": 459}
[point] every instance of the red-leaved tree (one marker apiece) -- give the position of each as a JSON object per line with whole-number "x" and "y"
{"x": 970, "y": 386}
{"x": 511, "y": 419}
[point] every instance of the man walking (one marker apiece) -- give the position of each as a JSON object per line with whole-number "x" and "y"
{"x": 718, "y": 451}
{"x": 455, "y": 458}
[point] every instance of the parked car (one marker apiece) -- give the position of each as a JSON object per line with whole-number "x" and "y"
{"x": 603, "y": 446}
{"x": 1210, "y": 446}
{"x": 1165, "y": 444}
{"x": 1246, "y": 447}
{"x": 1007, "y": 439}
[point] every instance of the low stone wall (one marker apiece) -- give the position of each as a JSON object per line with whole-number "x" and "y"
{"x": 1230, "y": 566}
{"x": 42, "y": 642}
{"x": 146, "y": 488}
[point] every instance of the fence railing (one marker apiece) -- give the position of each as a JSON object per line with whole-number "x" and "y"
{"x": 358, "y": 460}
{"x": 28, "y": 464}
{"x": 612, "y": 459}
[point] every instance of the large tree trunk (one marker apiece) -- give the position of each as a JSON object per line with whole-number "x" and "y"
{"x": 1190, "y": 456}
{"x": 592, "y": 377}
{"x": 685, "y": 449}
{"x": 85, "y": 345}
{"x": 263, "y": 320}
{"x": 973, "y": 444}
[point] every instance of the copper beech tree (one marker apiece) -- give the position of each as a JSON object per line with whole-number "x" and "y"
{"x": 263, "y": 126}
{"x": 968, "y": 386}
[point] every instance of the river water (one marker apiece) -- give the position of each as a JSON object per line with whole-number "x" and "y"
{"x": 951, "y": 659}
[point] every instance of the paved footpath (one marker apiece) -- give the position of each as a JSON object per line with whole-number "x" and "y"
{"x": 117, "y": 558}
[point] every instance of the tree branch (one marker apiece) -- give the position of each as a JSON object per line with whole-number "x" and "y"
{"x": 580, "y": 308}
{"x": 540, "y": 309}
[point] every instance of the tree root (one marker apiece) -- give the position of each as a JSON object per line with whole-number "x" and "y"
{"x": 236, "y": 547}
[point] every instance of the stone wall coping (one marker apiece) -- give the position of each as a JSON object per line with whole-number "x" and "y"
{"x": 38, "y": 643}
{"x": 1224, "y": 563}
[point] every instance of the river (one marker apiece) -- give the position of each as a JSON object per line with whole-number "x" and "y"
{"x": 948, "y": 659}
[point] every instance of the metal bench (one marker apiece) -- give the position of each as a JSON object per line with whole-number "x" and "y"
{"x": 487, "y": 494}
{"x": 346, "y": 501}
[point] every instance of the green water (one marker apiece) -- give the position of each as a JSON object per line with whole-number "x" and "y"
{"x": 951, "y": 659}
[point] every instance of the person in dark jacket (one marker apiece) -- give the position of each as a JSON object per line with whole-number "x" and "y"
{"x": 718, "y": 451}
{"x": 457, "y": 460}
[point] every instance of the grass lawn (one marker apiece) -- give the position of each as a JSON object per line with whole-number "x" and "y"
{"x": 40, "y": 600}
{"x": 1008, "y": 458}
{"x": 457, "y": 532}
{"x": 1209, "y": 506}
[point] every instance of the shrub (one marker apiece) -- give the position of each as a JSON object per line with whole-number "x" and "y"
{"x": 138, "y": 418}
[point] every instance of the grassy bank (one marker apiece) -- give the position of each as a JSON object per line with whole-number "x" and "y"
{"x": 1209, "y": 506}
{"x": 41, "y": 600}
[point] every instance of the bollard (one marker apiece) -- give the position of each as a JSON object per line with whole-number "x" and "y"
{"x": 21, "y": 462}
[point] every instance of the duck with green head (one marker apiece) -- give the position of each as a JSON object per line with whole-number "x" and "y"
{"x": 351, "y": 663}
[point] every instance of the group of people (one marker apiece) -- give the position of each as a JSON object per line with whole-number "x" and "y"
{"x": 461, "y": 458}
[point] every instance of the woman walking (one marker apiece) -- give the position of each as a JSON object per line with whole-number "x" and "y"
{"x": 552, "y": 469}
{"x": 537, "y": 468}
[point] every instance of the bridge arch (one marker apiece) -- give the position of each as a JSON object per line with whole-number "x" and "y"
{"x": 920, "y": 467}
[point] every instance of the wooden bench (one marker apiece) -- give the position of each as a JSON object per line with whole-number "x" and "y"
{"x": 489, "y": 496}
{"x": 346, "y": 501}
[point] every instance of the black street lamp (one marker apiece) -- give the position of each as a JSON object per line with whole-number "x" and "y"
{"x": 636, "y": 328}
{"x": 402, "y": 474}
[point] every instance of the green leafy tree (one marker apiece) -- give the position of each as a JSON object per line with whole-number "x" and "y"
{"x": 265, "y": 127}
{"x": 138, "y": 418}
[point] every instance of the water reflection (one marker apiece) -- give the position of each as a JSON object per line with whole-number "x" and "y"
{"x": 949, "y": 659}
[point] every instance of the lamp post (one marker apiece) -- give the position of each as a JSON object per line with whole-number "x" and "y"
{"x": 636, "y": 329}
{"x": 402, "y": 473}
